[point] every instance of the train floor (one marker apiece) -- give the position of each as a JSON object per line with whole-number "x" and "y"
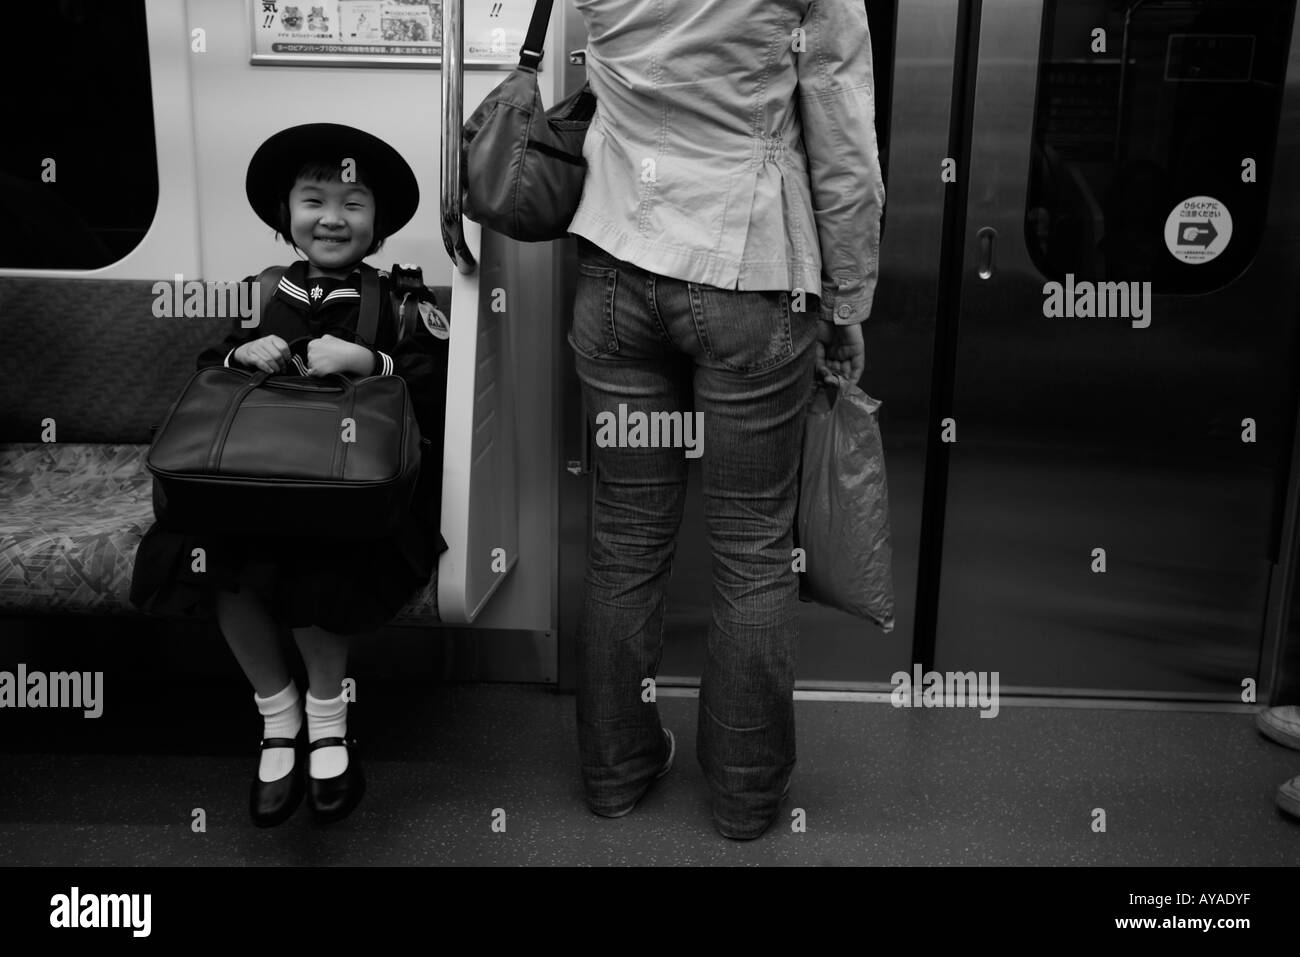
{"x": 874, "y": 785}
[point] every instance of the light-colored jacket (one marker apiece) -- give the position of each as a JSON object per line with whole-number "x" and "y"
{"x": 734, "y": 144}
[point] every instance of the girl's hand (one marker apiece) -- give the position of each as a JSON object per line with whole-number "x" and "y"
{"x": 269, "y": 354}
{"x": 329, "y": 354}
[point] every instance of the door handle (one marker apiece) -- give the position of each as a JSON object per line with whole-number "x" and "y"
{"x": 582, "y": 464}
{"x": 584, "y": 453}
{"x": 987, "y": 238}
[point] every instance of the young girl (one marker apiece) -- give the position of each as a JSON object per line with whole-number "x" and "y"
{"x": 334, "y": 193}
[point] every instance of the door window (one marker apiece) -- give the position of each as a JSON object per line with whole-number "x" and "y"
{"x": 1143, "y": 152}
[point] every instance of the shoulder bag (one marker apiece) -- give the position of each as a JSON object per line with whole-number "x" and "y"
{"x": 523, "y": 165}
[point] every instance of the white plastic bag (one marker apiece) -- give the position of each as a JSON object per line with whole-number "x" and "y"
{"x": 843, "y": 519}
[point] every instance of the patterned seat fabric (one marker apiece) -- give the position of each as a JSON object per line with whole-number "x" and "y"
{"x": 71, "y": 518}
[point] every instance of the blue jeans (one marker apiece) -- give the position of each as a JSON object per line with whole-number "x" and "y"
{"x": 744, "y": 362}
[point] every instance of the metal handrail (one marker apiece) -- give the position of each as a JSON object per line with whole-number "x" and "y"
{"x": 453, "y": 105}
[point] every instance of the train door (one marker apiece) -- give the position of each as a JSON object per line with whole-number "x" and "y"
{"x": 837, "y": 650}
{"x": 1123, "y": 401}
{"x": 912, "y": 46}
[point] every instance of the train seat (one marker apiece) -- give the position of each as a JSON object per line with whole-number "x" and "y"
{"x": 71, "y": 517}
{"x": 88, "y": 361}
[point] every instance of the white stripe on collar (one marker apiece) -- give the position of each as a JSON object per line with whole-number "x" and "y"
{"x": 290, "y": 289}
{"x": 297, "y": 292}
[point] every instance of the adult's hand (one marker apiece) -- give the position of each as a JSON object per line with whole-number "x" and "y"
{"x": 840, "y": 351}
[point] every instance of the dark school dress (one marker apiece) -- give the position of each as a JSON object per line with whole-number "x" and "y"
{"x": 343, "y": 587}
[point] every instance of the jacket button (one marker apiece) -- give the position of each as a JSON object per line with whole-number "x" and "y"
{"x": 845, "y": 310}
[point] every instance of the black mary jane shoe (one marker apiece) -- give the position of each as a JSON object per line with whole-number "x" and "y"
{"x": 272, "y": 802}
{"x": 333, "y": 799}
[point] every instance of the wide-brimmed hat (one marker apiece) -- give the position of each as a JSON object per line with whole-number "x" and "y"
{"x": 274, "y": 165}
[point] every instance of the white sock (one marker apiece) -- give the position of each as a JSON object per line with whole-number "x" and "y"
{"x": 281, "y": 718}
{"x": 327, "y": 719}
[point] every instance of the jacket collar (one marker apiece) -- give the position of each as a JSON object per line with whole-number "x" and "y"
{"x": 294, "y": 286}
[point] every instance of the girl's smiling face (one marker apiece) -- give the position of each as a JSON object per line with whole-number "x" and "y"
{"x": 332, "y": 222}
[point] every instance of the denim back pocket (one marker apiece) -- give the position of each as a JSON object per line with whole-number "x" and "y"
{"x": 744, "y": 330}
{"x": 592, "y": 330}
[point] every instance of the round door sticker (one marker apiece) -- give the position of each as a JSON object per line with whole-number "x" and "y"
{"x": 1198, "y": 229}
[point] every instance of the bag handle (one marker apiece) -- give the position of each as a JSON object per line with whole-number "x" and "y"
{"x": 274, "y": 380}
{"x": 530, "y": 54}
{"x": 261, "y": 378}
{"x": 293, "y": 348}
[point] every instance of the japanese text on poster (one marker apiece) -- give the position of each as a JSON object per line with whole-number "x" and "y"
{"x": 383, "y": 32}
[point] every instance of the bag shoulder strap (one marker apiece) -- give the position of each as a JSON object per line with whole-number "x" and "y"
{"x": 530, "y": 54}
{"x": 267, "y": 280}
{"x": 368, "y": 320}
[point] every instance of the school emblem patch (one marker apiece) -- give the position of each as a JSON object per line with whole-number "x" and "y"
{"x": 434, "y": 320}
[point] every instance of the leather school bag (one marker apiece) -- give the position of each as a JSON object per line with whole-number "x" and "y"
{"x": 244, "y": 452}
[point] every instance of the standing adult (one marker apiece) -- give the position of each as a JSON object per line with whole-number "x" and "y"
{"x": 728, "y": 244}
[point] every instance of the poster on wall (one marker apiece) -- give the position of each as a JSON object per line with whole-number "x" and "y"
{"x": 404, "y": 33}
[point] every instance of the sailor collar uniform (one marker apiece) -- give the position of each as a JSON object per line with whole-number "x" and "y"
{"x": 362, "y": 586}
{"x": 317, "y": 293}
{"x": 317, "y": 299}
{"x": 324, "y": 305}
